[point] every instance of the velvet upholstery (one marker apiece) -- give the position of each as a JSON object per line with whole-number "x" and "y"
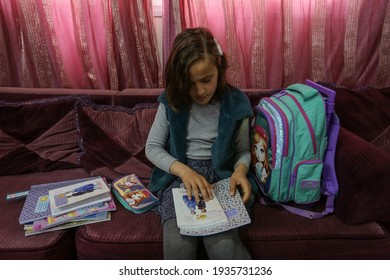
{"x": 20, "y": 94}
{"x": 382, "y": 141}
{"x": 363, "y": 154}
{"x": 363, "y": 172}
{"x": 13, "y": 243}
{"x": 277, "y": 234}
{"x": 126, "y": 236}
{"x": 365, "y": 112}
{"x": 120, "y": 132}
{"x": 39, "y": 135}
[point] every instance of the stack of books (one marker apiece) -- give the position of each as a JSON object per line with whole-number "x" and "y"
{"x": 66, "y": 204}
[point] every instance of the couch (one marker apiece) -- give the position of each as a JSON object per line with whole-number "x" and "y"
{"x": 51, "y": 135}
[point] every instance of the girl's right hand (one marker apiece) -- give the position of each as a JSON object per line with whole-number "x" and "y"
{"x": 195, "y": 183}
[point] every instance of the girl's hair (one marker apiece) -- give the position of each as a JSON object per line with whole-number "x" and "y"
{"x": 189, "y": 46}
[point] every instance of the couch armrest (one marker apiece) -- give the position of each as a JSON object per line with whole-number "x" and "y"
{"x": 363, "y": 172}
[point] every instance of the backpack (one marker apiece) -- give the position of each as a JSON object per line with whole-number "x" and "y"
{"x": 293, "y": 141}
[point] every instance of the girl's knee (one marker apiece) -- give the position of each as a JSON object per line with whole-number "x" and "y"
{"x": 226, "y": 245}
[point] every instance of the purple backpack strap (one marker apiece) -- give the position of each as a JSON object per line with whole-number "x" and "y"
{"x": 329, "y": 206}
{"x": 330, "y": 184}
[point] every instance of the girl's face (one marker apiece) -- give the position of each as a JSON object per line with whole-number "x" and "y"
{"x": 260, "y": 151}
{"x": 204, "y": 80}
{"x": 137, "y": 196}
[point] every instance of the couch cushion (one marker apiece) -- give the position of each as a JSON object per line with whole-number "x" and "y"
{"x": 383, "y": 140}
{"x": 13, "y": 243}
{"x": 39, "y": 135}
{"x": 19, "y": 94}
{"x": 365, "y": 112}
{"x": 278, "y": 234}
{"x": 126, "y": 236}
{"x": 363, "y": 173}
{"x": 139, "y": 236}
{"x": 113, "y": 139}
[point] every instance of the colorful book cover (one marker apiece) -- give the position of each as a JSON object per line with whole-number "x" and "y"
{"x": 36, "y": 205}
{"x": 133, "y": 194}
{"x": 233, "y": 206}
{"x": 103, "y": 217}
{"x": 52, "y": 221}
{"x": 192, "y": 214}
{"x": 75, "y": 196}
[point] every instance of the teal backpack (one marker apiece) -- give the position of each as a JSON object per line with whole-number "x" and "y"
{"x": 293, "y": 139}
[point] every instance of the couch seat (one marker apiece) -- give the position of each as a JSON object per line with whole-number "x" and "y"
{"x": 126, "y": 236}
{"x": 325, "y": 238}
{"x": 13, "y": 243}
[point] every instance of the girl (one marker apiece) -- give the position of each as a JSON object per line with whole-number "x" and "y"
{"x": 199, "y": 136}
{"x": 260, "y": 154}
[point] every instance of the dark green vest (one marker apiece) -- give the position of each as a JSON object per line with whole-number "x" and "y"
{"x": 235, "y": 106}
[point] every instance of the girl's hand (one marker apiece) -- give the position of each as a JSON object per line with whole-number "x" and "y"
{"x": 195, "y": 183}
{"x": 239, "y": 178}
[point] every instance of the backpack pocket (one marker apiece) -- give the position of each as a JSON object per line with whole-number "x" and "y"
{"x": 262, "y": 147}
{"x": 306, "y": 181}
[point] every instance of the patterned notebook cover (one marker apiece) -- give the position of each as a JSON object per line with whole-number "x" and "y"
{"x": 37, "y": 205}
{"x": 233, "y": 206}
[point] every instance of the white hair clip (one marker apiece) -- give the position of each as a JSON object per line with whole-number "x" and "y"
{"x": 220, "y": 52}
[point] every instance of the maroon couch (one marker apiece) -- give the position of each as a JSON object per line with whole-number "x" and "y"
{"x": 57, "y": 134}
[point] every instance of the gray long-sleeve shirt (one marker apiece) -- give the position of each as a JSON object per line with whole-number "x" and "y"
{"x": 201, "y": 133}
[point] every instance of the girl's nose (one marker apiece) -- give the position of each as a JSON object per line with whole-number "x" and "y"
{"x": 199, "y": 89}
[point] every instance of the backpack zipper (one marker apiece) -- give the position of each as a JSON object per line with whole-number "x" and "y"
{"x": 285, "y": 125}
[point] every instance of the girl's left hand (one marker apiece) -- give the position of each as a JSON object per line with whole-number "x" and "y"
{"x": 239, "y": 178}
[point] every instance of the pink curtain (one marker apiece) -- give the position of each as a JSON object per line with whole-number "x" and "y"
{"x": 94, "y": 44}
{"x": 273, "y": 43}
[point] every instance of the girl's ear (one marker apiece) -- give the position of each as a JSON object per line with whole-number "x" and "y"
{"x": 219, "y": 65}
